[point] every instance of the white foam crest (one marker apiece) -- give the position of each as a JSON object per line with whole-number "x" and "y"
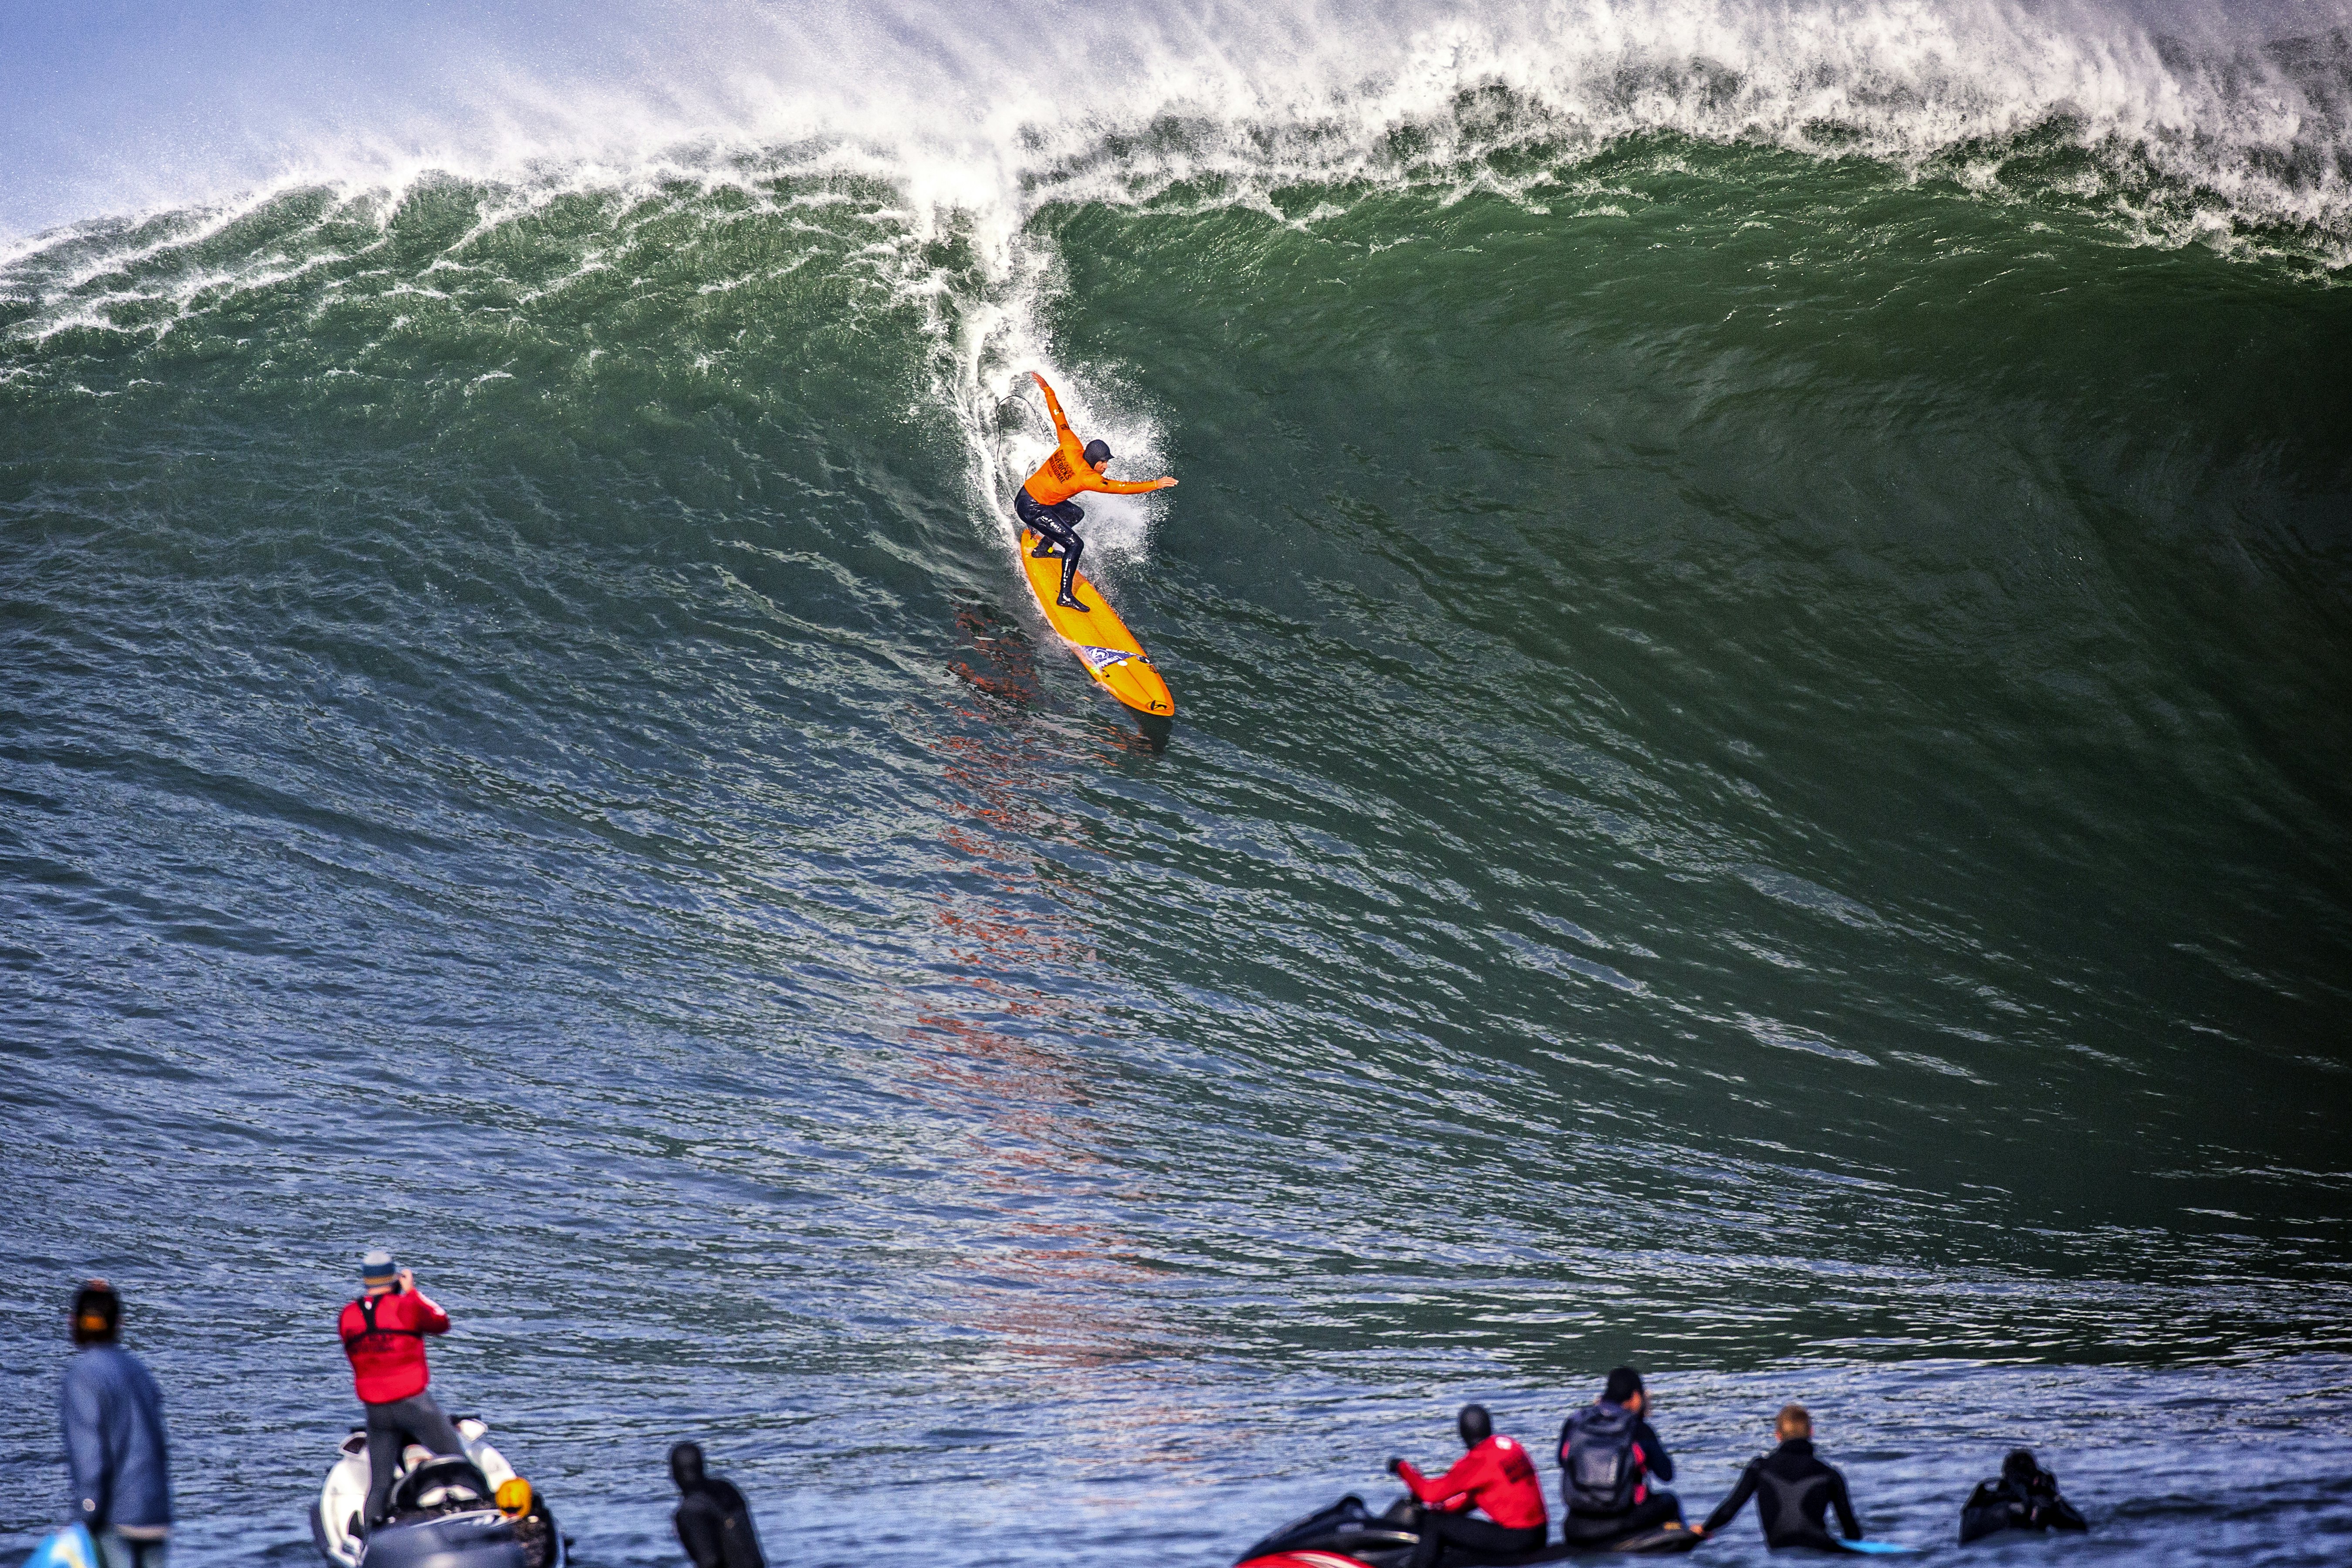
{"x": 990, "y": 348}
{"x": 965, "y": 113}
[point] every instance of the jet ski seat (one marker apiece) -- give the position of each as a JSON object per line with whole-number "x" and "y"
{"x": 1348, "y": 1528}
{"x": 446, "y": 1483}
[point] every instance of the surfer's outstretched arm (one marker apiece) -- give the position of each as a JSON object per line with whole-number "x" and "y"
{"x": 1052, "y": 403}
{"x": 1085, "y": 473}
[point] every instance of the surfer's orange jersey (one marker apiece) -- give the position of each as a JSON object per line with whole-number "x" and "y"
{"x": 1066, "y": 472}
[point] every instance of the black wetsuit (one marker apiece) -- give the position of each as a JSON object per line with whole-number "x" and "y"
{"x": 2010, "y": 1503}
{"x": 1478, "y": 1536}
{"x": 1056, "y": 525}
{"x": 1578, "y": 1527}
{"x": 714, "y": 1525}
{"x": 1794, "y": 1492}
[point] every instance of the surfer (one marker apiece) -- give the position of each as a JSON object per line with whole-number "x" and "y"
{"x": 1496, "y": 1477}
{"x": 2025, "y": 1496}
{"x": 713, "y": 1521}
{"x": 1611, "y": 1465}
{"x": 1793, "y": 1490}
{"x": 1043, "y": 501}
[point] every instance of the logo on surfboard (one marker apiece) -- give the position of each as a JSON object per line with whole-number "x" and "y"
{"x": 1104, "y": 657}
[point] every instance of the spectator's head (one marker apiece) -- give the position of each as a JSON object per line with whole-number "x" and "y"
{"x": 96, "y": 1314}
{"x": 1475, "y": 1425}
{"x": 378, "y": 1272}
{"x": 1793, "y": 1422}
{"x": 2020, "y": 1465}
{"x": 1624, "y": 1387}
{"x": 686, "y": 1466}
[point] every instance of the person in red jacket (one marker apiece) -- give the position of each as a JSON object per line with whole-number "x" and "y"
{"x": 1496, "y": 1477}
{"x": 383, "y": 1334}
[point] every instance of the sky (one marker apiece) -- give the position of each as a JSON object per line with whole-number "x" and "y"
{"x": 109, "y": 106}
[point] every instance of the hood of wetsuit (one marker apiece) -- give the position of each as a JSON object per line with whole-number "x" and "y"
{"x": 686, "y": 1466}
{"x": 2020, "y": 1465}
{"x": 96, "y": 1314}
{"x": 1097, "y": 451}
{"x": 1475, "y": 1425}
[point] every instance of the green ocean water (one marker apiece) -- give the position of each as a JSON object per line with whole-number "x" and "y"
{"x": 1758, "y": 786}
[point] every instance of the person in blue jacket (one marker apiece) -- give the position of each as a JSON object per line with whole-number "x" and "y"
{"x": 115, "y": 1448}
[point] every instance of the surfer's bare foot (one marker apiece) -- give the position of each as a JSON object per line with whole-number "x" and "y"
{"x": 1069, "y": 604}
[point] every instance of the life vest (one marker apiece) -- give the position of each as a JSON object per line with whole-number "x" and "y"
{"x": 384, "y": 1338}
{"x": 1598, "y": 1473}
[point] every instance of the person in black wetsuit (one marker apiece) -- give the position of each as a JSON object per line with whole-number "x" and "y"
{"x": 2024, "y": 1498}
{"x": 1793, "y": 1490}
{"x": 1610, "y": 1463}
{"x": 714, "y": 1523}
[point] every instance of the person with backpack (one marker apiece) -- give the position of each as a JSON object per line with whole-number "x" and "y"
{"x": 383, "y": 1334}
{"x": 1610, "y": 1463}
{"x": 2024, "y": 1498}
{"x": 1497, "y": 1477}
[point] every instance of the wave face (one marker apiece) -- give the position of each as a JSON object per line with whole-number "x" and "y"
{"x": 1759, "y": 639}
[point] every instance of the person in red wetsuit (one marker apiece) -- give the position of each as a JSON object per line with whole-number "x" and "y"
{"x": 1496, "y": 1477}
{"x": 383, "y": 1334}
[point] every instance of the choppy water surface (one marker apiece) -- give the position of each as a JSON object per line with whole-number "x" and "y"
{"x": 1759, "y": 788}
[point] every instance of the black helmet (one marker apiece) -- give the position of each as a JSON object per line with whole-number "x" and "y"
{"x": 1476, "y": 1425}
{"x": 1097, "y": 451}
{"x": 2020, "y": 1465}
{"x": 96, "y": 1314}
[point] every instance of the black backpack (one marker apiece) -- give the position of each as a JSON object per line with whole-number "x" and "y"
{"x": 1596, "y": 1472}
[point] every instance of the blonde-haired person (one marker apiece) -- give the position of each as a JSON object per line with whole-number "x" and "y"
{"x": 1794, "y": 1491}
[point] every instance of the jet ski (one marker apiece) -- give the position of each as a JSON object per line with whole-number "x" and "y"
{"x": 445, "y": 1511}
{"x": 1350, "y": 1535}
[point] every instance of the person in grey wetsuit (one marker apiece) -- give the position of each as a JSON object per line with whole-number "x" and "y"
{"x": 1793, "y": 1490}
{"x": 113, "y": 1418}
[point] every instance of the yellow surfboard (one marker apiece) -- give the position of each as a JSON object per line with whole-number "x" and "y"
{"x": 1097, "y": 636}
